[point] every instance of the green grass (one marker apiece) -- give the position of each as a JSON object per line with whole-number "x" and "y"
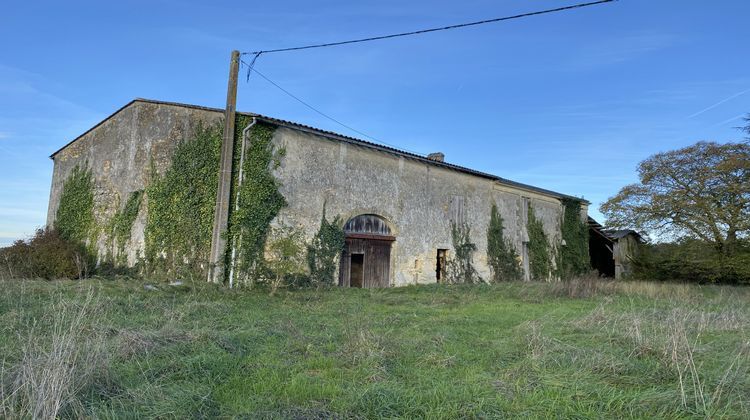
{"x": 506, "y": 350}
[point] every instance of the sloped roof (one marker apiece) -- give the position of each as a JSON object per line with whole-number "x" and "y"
{"x": 339, "y": 137}
{"x": 619, "y": 234}
{"x": 611, "y": 235}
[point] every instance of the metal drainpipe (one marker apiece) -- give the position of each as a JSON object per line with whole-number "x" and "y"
{"x": 237, "y": 201}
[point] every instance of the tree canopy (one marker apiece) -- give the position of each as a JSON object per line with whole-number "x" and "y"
{"x": 700, "y": 191}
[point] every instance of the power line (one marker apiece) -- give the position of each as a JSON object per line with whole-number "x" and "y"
{"x": 256, "y": 54}
{"x": 424, "y": 31}
{"x": 321, "y": 113}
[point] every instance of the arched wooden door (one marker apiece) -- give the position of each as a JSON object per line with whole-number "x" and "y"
{"x": 366, "y": 261}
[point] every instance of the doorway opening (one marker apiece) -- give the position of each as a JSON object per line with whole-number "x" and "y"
{"x": 526, "y": 265}
{"x": 366, "y": 260}
{"x": 357, "y": 270}
{"x": 440, "y": 265}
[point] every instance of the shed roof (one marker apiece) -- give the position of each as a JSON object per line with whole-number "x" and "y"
{"x": 619, "y": 234}
{"x": 339, "y": 137}
{"x": 612, "y": 235}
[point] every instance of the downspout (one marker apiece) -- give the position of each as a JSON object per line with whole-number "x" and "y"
{"x": 237, "y": 201}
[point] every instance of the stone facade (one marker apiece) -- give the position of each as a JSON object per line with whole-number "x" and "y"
{"x": 121, "y": 152}
{"x": 418, "y": 197}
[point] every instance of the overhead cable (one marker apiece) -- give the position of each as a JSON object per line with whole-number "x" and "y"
{"x": 424, "y": 31}
{"x": 319, "y": 112}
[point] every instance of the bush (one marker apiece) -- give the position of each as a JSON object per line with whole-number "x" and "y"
{"x": 325, "y": 250}
{"x": 46, "y": 255}
{"x": 693, "y": 261}
{"x": 286, "y": 257}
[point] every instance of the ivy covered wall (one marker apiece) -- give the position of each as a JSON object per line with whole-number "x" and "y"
{"x": 164, "y": 151}
{"x": 259, "y": 199}
{"x": 120, "y": 228}
{"x": 501, "y": 255}
{"x": 75, "y": 214}
{"x": 573, "y": 252}
{"x": 180, "y": 207}
{"x": 540, "y": 257}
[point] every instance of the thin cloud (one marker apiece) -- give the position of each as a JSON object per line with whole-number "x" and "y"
{"x": 736, "y": 117}
{"x": 616, "y": 51}
{"x": 719, "y": 103}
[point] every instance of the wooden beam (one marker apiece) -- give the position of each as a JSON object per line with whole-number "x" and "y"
{"x": 221, "y": 211}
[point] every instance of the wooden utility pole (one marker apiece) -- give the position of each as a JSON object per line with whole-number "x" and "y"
{"x": 221, "y": 212}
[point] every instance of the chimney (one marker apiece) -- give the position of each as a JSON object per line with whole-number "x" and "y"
{"x": 437, "y": 157}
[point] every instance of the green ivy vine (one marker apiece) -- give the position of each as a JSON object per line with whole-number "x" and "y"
{"x": 121, "y": 225}
{"x": 326, "y": 246}
{"x": 461, "y": 269}
{"x": 573, "y": 253}
{"x": 74, "y": 218}
{"x": 501, "y": 256}
{"x": 259, "y": 198}
{"x": 181, "y": 207}
{"x": 540, "y": 262}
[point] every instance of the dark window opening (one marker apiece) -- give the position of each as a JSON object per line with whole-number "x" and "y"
{"x": 440, "y": 266}
{"x": 357, "y": 273}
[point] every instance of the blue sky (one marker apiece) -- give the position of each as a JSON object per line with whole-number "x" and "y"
{"x": 569, "y": 101}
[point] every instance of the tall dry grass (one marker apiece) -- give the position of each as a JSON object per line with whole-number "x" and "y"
{"x": 677, "y": 330}
{"x": 55, "y": 364}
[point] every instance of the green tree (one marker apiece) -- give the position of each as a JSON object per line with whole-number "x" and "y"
{"x": 700, "y": 191}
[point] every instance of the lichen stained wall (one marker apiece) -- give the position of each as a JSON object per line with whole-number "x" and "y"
{"x": 120, "y": 153}
{"x": 418, "y": 199}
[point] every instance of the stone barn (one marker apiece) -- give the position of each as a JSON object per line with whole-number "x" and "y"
{"x": 139, "y": 188}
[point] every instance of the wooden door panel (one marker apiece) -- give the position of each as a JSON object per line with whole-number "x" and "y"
{"x": 377, "y": 262}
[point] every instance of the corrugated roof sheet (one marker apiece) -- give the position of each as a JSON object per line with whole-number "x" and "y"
{"x": 610, "y": 234}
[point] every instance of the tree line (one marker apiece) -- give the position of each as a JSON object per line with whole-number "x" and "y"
{"x": 694, "y": 204}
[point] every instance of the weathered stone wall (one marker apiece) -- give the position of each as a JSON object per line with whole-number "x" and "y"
{"x": 418, "y": 199}
{"x": 120, "y": 152}
{"x": 624, "y": 251}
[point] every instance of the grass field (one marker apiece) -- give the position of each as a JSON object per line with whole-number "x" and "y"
{"x": 111, "y": 348}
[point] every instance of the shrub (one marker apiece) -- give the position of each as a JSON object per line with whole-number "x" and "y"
{"x": 285, "y": 257}
{"x": 324, "y": 251}
{"x": 693, "y": 261}
{"x": 46, "y": 255}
